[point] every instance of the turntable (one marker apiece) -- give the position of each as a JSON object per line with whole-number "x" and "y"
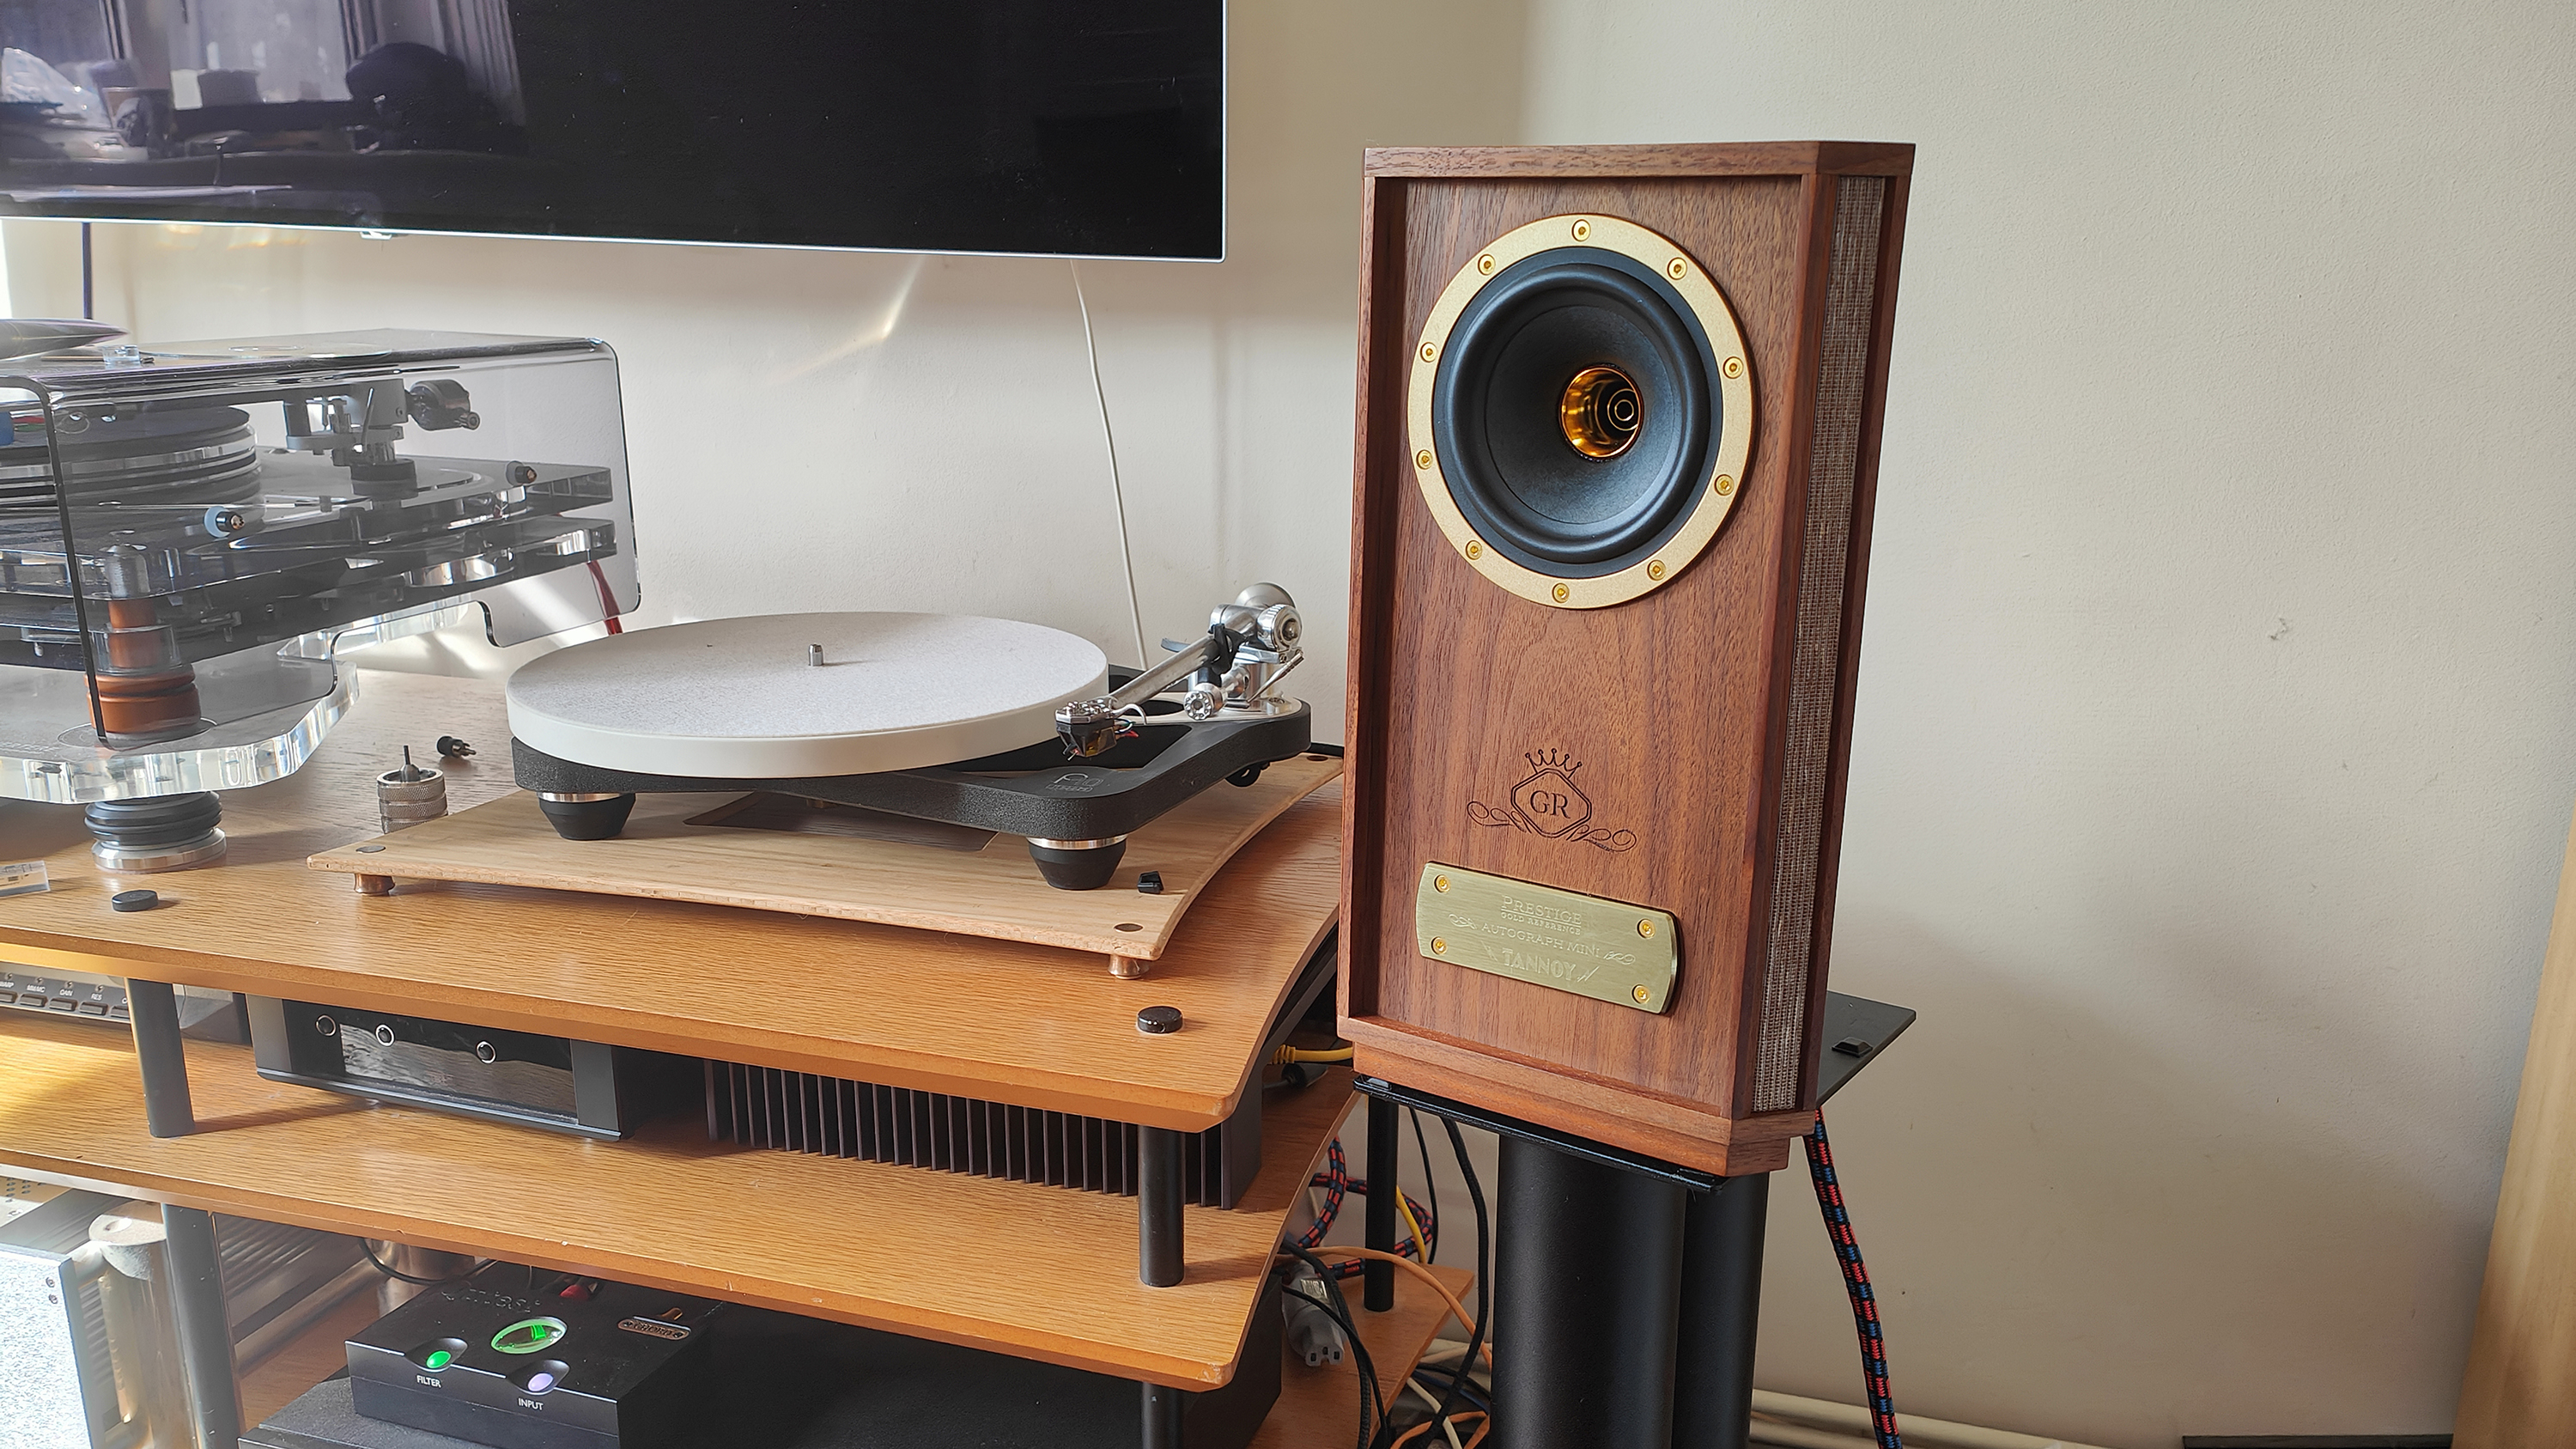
{"x": 976, "y": 776}
{"x": 189, "y": 534}
{"x": 984, "y": 724}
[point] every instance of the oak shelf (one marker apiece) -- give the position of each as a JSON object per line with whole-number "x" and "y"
{"x": 939, "y": 1255}
{"x": 1002, "y": 1021}
{"x": 1317, "y": 1406}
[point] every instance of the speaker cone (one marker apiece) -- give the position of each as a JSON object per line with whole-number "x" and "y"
{"x": 1576, "y": 412}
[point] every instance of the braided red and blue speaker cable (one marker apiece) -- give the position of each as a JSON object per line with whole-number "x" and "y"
{"x": 1864, "y": 1302}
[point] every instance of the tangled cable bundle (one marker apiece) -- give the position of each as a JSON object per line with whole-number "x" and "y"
{"x": 1337, "y": 1183}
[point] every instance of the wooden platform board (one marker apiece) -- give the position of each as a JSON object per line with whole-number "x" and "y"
{"x": 1040, "y": 1272}
{"x": 1003, "y": 1021}
{"x": 994, "y": 892}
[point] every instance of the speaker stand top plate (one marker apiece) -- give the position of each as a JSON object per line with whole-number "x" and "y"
{"x": 1857, "y": 1029}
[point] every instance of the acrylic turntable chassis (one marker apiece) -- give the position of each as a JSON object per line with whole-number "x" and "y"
{"x": 1075, "y": 813}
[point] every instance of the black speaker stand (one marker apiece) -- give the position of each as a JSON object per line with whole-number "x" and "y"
{"x": 1626, "y": 1291}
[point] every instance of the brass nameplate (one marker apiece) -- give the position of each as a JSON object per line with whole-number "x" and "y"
{"x": 1607, "y": 950}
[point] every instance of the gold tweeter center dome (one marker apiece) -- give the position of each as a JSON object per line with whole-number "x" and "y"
{"x": 1581, "y": 411}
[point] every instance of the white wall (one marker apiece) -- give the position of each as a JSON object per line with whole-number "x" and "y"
{"x": 820, "y": 430}
{"x": 2214, "y": 747}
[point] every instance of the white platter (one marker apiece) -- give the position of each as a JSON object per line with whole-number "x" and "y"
{"x": 736, "y": 698}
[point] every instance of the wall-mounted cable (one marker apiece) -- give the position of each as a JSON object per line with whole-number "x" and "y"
{"x": 1117, "y": 489}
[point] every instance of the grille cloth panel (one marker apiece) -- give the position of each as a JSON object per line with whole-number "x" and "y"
{"x": 1815, "y": 663}
{"x": 831, "y": 1117}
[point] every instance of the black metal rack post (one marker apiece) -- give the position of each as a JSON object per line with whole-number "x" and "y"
{"x": 153, "y": 1008}
{"x": 1385, "y": 1165}
{"x": 204, "y": 1333}
{"x": 1158, "y": 1206}
{"x": 1163, "y": 1416}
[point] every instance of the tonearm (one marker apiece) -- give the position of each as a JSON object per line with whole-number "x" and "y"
{"x": 1249, "y": 646}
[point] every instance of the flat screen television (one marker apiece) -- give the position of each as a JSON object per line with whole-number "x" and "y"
{"x": 1055, "y": 127}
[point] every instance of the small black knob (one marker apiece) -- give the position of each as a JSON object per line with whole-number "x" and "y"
{"x": 1150, "y": 883}
{"x": 133, "y": 900}
{"x": 454, "y": 748}
{"x": 1159, "y": 1020}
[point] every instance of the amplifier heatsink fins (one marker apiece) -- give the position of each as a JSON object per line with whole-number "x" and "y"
{"x": 828, "y": 1116}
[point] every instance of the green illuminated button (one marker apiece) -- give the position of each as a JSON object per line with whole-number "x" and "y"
{"x": 529, "y": 1335}
{"x": 440, "y": 1359}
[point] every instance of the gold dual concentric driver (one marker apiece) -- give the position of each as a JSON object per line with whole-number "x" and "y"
{"x": 1581, "y": 410}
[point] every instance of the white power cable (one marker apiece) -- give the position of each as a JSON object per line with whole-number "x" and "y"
{"x": 1117, "y": 490}
{"x": 1829, "y": 1418}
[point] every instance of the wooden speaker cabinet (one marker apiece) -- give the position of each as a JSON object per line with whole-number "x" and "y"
{"x": 1618, "y": 436}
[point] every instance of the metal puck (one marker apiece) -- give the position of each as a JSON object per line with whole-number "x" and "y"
{"x": 369, "y": 849}
{"x": 146, "y": 900}
{"x": 1159, "y": 1020}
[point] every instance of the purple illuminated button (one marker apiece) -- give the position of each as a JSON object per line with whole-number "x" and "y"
{"x": 540, "y": 1381}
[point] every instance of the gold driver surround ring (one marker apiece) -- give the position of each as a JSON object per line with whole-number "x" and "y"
{"x": 1733, "y": 387}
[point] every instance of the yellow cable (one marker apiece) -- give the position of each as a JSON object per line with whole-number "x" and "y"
{"x": 1421, "y": 1249}
{"x": 1288, "y": 1056}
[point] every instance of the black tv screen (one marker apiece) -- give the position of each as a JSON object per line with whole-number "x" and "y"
{"x": 1068, "y": 127}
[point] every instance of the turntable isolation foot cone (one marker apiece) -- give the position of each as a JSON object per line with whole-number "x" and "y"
{"x": 1077, "y": 865}
{"x": 586, "y": 817}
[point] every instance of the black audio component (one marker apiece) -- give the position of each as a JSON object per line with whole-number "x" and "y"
{"x": 502, "y": 1076}
{"x": 526, "y": 1359}
{"x": 756, "y": 1377}
{"x": 835, "y": 1117}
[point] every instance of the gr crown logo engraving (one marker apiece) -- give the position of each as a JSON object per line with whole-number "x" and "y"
{"x": 1547, "y": 803}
